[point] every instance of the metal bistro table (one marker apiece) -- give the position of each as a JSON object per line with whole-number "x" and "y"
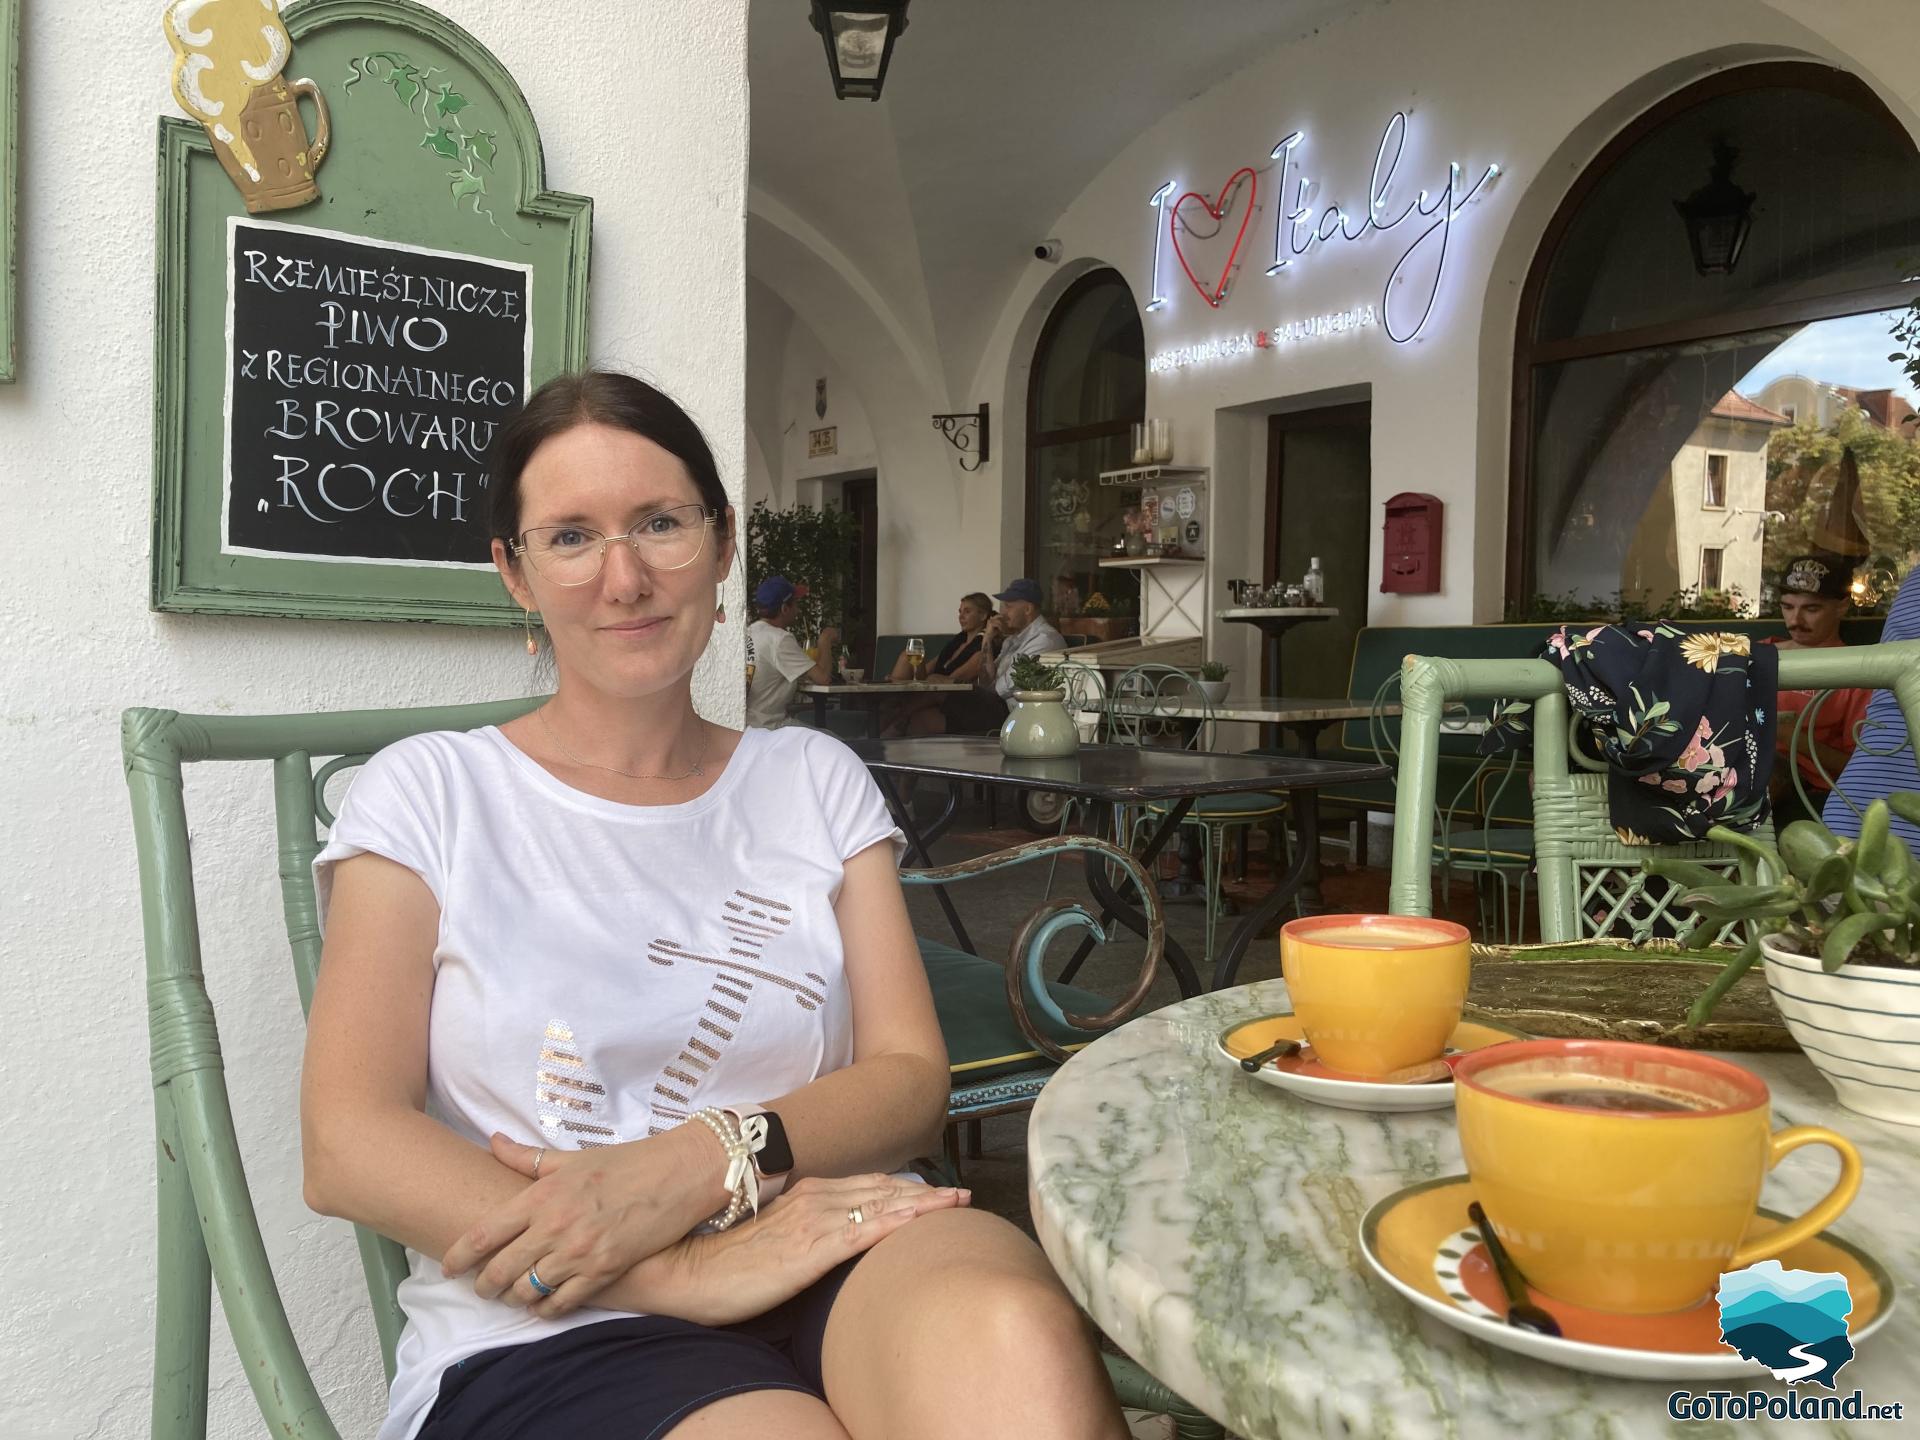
{"x": 1273, "y": 621}
{"x": 870, "y": 695}
{"x": 1209, "y": 1224}
{"x": 1115, "y": 774}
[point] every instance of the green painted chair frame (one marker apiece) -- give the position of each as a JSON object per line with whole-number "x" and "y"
{"x": 207, "y": 1228}
{"x": 1583, "y": 867}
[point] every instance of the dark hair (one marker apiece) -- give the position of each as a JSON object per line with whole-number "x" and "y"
{"x": 980, "y": 601}
{"x": 602, "y": 397}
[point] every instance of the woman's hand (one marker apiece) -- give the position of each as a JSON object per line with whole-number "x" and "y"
{"x": 794, "y": 1241}
{"x": 590, "y": 1217}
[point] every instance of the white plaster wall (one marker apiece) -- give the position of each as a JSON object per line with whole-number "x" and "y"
{"x": 939, "y": 525}
{"x": 76, "y": 1227}
{"x": 1735, "y": 529}
{"x": 1535, "y": 87}
{"x": 804, "y": 361}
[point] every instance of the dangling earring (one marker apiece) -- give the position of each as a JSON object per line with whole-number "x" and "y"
{"x": 720, "y": 613}
{"x": 533, "y": 647}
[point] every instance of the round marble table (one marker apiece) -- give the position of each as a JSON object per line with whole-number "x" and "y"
{"x": 1210, "y": 1224}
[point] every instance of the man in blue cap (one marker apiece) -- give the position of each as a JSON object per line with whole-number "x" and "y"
{"x": 1017, "y": 630}
{"x": 779, "y": 661}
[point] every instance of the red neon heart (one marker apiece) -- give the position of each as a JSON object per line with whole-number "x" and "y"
{"x": 1214, "y": 296}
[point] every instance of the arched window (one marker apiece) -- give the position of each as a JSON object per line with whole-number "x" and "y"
{"x": 1704, "y": 330}
{"x": 1089, "y": 384}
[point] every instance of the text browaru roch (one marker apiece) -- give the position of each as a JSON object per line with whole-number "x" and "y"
{"x": 354, "y": 427}
{"x": 417, "y": 382}
{"x": 391, "y": 285}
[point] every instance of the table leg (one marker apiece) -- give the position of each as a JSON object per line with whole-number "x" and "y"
{"x": 1115, "y": 906}
{"x": 1305, "y": 805}
{"x": 1307, "y": 732}
{"x": 819, "y": 711}
{"x": 918, "y": 846}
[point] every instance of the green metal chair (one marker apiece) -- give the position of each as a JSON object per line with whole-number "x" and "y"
{"x": 1590, "y": 882}
{"x": 1499, "y": 857}
{"x": 1139, "y": 712}
{"x": 1007, "y": 1016}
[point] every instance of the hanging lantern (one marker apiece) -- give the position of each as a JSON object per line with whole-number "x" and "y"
{"x": 1718, "y": 215}
{"x": 859, "y": 36}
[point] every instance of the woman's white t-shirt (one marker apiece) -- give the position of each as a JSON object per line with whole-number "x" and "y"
{"x": 605, "y": 970}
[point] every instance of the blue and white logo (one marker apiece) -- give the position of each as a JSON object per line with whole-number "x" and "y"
{"x": 1794, "y": 1322}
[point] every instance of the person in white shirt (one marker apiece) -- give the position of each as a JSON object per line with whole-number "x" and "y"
{"x": 1017, "y": 630}
{"x": 621, "y": 1029}
{"x": 780, "y": 662}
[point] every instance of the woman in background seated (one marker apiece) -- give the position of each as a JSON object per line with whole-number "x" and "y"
{"x": 958, "y": 662}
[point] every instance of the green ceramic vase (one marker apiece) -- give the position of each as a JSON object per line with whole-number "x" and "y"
{"x": 1038, "y": 726}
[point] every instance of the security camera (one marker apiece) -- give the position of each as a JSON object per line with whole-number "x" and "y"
{"x": 1047, "y": 250}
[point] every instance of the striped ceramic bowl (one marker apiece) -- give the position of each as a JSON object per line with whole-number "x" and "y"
{"x": 1860, "y": 1026}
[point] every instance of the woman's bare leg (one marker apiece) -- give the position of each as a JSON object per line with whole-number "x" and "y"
{"x": 930, "y": 721}
{"x": 791, "y": 1414}
{"x": 955, "y": 1328}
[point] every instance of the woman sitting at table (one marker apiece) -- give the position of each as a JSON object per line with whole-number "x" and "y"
{"x": 959, "y": 661}
{"x": 622, "y": 1030}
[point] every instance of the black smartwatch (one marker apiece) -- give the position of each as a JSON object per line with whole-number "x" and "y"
{"x": 775, "y": 1155}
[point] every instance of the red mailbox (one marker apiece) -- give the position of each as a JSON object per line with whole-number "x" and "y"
{"x": 1410, "y": 562}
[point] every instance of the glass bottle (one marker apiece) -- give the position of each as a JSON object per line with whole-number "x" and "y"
{"x": 1315, "y": 583}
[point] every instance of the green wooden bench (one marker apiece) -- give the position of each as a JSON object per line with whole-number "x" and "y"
{"x": 1373, "y": 678}
{"x": 1006, "y": 1028}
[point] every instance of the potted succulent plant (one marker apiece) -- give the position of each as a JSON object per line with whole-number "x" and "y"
{"x": 1212, "y": 683}
{"x": 1836, "y": 923}
{"x": 1037, "y": 725}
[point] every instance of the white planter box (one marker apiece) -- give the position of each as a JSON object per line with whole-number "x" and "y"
{"x": 1860, "y": 1026}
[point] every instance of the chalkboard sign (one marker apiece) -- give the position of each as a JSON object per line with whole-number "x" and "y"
{"x": 365, "y": 382}
{"x": 328, "y": 378}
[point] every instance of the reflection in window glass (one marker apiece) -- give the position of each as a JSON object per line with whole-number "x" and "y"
{"x": 1089, "y": 386}
{"x": 1664, "y": 474}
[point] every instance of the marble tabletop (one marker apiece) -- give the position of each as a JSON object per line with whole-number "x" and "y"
{"x": 1209, "y": 1224}
{"x": 884, "y": 687}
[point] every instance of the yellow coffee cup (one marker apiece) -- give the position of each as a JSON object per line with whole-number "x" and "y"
{"x": 1624, "y": 1177}
{"x": 1375, "y": 993}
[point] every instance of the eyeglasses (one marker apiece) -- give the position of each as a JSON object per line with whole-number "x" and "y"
{"x": 669, "y": 539}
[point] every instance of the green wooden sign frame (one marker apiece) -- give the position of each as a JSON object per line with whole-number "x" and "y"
{"x": 474, "y": 183}
{"x": 9, "y": 185}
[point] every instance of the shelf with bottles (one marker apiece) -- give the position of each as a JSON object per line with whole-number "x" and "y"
{"x": 1138, "y": 475}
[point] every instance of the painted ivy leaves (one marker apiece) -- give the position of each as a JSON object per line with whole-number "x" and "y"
{"x": 439, "y": 107}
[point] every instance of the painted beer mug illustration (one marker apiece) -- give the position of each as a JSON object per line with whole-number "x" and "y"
{"x": 228, "y": 59}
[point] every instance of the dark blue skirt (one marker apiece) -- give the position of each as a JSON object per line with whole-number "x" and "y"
{"x": 634, "y": 1378}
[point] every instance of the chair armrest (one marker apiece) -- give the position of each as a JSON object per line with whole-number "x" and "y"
{"x": 1027, "y": 991}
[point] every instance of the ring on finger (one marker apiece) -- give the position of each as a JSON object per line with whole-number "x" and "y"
{"x": 856, "y": 1216}
{"x": 540, "y": 1287}
{"x": 540, "y": 1155}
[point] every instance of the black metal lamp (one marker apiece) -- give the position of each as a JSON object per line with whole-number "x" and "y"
{"x": 1718, "y": 215}
{"x": 859, "y": 36}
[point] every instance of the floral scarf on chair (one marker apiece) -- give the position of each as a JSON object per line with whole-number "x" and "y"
{"x": 1685, "y": 722}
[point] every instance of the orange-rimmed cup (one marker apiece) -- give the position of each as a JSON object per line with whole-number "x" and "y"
{"x": 1624, "y": 1177}
{"x": 1375, "y": 993}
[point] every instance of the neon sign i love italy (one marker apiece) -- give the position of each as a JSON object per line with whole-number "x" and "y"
{"x": 1299, "y": 227}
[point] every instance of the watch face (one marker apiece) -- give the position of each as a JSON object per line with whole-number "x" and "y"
{"x": 776, "y": 1156}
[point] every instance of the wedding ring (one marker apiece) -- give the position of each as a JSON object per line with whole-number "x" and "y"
{"x": 856, "y": 1216}
{"x": 538, "y": 1157}
{"x": 540, "y": 1286}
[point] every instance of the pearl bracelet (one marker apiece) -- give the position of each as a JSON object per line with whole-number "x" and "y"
{"x": 741, "y": 1180}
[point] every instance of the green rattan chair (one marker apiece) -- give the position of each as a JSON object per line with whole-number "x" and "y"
{"x": 1009, "y": 1023}
{"x": 1590, "y": 883}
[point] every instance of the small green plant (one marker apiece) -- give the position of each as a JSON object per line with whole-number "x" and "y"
{"x": 1840, "y": 899}
{"x": 1030, "y": 672}
{"x": 1211, "y": 670}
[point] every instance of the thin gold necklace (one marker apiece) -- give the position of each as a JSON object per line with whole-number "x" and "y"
{"x": 699, "y": 767}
